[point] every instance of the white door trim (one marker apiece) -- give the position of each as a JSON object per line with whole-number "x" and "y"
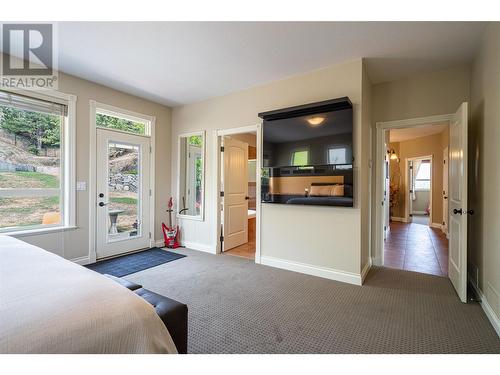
{"x": 217, "y": 183}
{"x": 377, "y": 256}
{"x": 94, "y": 106}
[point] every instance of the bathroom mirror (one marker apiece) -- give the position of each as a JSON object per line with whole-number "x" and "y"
{"x": 191, "y": 194}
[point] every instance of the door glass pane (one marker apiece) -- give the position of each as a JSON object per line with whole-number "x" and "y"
{"x": 123, "y": 191}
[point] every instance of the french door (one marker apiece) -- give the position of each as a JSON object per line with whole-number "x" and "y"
{"x": 123, "y": 191}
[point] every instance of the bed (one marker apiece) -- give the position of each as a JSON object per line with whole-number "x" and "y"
{"x": 51, "y": 305}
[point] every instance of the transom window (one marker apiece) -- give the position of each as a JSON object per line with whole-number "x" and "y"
{"x": 121, "y": 121}
{"x": 34, "y": 167}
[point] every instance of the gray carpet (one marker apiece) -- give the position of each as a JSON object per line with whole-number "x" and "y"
{"x": 236, "y": 306}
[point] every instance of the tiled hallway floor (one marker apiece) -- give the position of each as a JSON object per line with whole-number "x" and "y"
{"x": 416, "y": 247}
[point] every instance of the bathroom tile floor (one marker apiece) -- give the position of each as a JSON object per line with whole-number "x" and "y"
{"x": 247, "y": 250}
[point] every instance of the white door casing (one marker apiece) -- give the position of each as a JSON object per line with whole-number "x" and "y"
{"x": 235, "y": 187}
{"x": 445, "y": 191}
{"x": 110, "y": 241}
{"x": 457, "y": 198}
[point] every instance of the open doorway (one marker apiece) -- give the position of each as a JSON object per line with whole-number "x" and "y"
{"x": 238, "y": 181}
{"x": 455, "y": 219}
{"x": 415, "y": 238}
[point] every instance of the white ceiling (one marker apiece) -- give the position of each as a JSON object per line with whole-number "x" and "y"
{"x": 183, "y": 62}
{"x": 405, "y": 134}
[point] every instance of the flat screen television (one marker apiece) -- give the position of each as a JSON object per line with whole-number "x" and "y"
{"x": 308, "y": 154}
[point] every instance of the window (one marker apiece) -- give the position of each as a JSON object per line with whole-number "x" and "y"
{"x": 34, "y": 163}
{"x": 300, "y": 157}
{"x": 423, "y": 176}
{"x": 337, "y": 155}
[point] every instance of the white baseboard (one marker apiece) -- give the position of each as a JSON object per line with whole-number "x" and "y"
{"x": 401, "y": 219}
{"x": 160, "y": 243}
{"x": 81, "y": 260}
{"x": 327, "y": 273}
{"x": 419, "y": 213}
{"x": 436, "y": 225}
{"x": 366, "y": 269}
{"x": 191, "y": 245}
{"x": 199, "y": 247}
{"x": 490, "y": 313}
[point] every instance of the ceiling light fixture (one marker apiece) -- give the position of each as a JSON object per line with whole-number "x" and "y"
{"x": 315, "y": 121}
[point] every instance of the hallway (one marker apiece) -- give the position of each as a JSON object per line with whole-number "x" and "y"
{"x": 416, "y": 247}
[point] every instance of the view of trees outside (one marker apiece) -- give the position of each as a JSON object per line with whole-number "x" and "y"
{"x": 197, "y": 140}
{"x": 110, "y": 122}
{"x": 29, "y": 159}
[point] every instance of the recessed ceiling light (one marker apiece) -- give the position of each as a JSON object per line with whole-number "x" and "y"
{"x": 315, "y": 121}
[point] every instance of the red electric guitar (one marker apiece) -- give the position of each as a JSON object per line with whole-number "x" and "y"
{"x": 170, "y": 233}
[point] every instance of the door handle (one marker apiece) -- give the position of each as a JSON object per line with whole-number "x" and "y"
{"x": 470, "y": 212}
{"x": 457, "y": 211}
{"x": 247, "y": 198}
{"x": 445, "y": 197}
{"x": 102, "y": 204}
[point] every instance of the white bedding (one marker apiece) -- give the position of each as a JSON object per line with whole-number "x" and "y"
{"x": 51, "y": 305}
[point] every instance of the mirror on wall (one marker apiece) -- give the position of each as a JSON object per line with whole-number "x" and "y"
{"x": 191, "y": 175}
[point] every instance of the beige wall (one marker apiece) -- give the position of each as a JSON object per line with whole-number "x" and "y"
{"x": 75, "y": 243}
{"x": 327, "y": 237}
{"x": 484, "y": 170}
{"x": 429, "y": 94}
{"x": 423, "y": 146}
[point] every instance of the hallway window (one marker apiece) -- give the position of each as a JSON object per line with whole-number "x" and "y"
{"x": 423, "y": 176}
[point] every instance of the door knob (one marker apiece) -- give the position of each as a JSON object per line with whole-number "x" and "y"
{"x": 457, "y": 211}
{"x": 470, "y": 212}
{"x": 247, "y": 198}
{"x": 102, "y": 204}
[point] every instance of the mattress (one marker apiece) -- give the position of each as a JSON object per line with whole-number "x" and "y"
{"x": 51, "y": 305}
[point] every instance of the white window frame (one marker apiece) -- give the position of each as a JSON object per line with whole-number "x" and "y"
{"x": 67, "y": 165}
{"x": 150, "y": 121}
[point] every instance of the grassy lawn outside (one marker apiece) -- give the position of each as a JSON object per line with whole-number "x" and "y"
{"x": 23, "y": 180}
{"x": 124, "y": 200}
{"x": 27, "y": 211}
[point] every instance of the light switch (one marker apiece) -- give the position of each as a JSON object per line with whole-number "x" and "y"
{"x": 81, "y": 185}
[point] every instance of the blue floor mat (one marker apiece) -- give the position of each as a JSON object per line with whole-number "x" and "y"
{"x": 132, "y": 263}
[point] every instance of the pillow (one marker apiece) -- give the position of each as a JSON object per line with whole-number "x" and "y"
{"x": 338, "y": 191}
{"x": 320, "y": 190}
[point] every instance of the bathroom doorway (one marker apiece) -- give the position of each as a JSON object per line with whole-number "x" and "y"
{"x": 238, "y": 194}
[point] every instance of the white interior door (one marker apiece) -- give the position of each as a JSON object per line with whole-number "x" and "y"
{"x": 457, "y": 199}
{"x": 387, "y": 199}
{"x": 235, "y": 187}
{"x": 122, "y": 187}
{"x": 445, "y": 191}
{"x": 410, "y": 191}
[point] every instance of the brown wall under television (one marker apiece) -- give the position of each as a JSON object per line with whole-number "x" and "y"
{"x": 297, "y": 185}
